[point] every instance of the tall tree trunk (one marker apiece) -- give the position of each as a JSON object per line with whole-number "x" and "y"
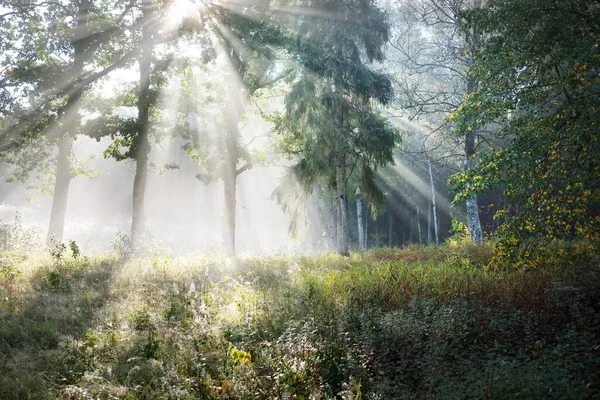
{"x": 472, "y": 208}
{"x": 141, "y": 145}
{"x": 419, "y": 225}
{"x": 61, "y": 192}
{"x": 433, "y": 205}
{"x": 367, "y": 218}
{"x": 316, "y": 227}
{"x": 376, "y": 233}
{"x": 235, "y": 108}
{"x": 332, "y": 218}
{"x": 343, "y": 233}
{"x": 429, "y": 240}
{"x": 229, "y": 184}
{"x": 390, "y": 229}
{"x": 359, "y": 219}
{"x": 65, "y": 146}
{"x": 473, "y": 218}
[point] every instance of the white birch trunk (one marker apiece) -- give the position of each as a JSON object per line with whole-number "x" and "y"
{"x": 419, "y": 225}
{"x": 429, "y": 224}
{"x": 359, "y": 219}
{"x": 433, "y": 205}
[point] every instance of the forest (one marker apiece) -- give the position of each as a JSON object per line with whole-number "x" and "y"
{"x": 290, "y": 199}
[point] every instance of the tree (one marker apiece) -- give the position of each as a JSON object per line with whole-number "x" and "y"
{"x": 131, "y": 137}
{"x": 434, "y": 47}
{"x": 433, "y": 205}
{"x": 80, "y": 42}
{"x": 247, "y": 44}
{"x": 330, "y": 127}
{"x": 361, "y": 224}
{"x": 140, "y": 143}
{"x": 213, "y": 137}
{"x": 52, "y": 117}
{"x": 538, "y": 81}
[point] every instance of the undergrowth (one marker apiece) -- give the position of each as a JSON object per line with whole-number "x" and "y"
{"x": 421, "y": 322}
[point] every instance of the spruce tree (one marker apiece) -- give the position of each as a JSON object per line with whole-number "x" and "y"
{"x": 331, "y": 127}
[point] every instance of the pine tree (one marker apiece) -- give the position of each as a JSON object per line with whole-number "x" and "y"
{"x": 330, "y": 126}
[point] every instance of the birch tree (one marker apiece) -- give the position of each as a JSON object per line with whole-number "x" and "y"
{"x": 433, "y": 46}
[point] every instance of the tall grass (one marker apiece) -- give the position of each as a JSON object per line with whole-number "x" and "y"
{"x": 411, "y": 323}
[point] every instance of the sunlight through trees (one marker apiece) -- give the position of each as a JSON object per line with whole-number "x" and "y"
{"x": 365, "y": 111}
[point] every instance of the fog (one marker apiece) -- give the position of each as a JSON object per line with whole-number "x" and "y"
{"x": 183, "y": 214}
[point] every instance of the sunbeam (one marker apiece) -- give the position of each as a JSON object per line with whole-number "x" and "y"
{"x": 303, "y": 199}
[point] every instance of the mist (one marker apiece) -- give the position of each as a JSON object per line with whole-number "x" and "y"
{"x": 184, "y": 215}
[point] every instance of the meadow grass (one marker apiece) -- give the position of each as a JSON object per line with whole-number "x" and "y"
{"x": 419, "y": 322}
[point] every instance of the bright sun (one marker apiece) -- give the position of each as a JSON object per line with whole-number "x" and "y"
{"x": 181, "y": 9}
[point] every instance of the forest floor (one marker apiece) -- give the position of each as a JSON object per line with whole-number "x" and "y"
{"x": 421, "y": 322}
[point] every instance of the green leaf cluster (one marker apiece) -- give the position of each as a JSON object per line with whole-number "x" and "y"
{"x": 539, "y": 87}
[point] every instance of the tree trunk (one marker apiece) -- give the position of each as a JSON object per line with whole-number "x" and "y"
{"x": 65, "y": 146}
{"x": 433, "y": 205}
{"x": 419, "y": 225}
{"x": 316, "y": 227}
{"x": 359, "y": 219}
{"x": 429, "y": 225}
{"x": 390, "y": 229}
{"x": 138, "y": 220}
{"x": 472, "y": 208}
{"x": 474, "y": 221}
{"x": 332, "y": 219}
{"x": 367, "y": 218}
{"x": 343, "y": 233}
{"x": 141, "y": 144}
{"x": 229, "y": 184}
{"x": 61, "y": 192}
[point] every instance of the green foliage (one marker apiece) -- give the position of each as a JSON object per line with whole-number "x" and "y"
{"x": 75, "y": 252}
{"x": 330, "y": 119}
{"x": 55, "y": 280}
{"x": 239, "y": 357}
{"x": 303, "y": 327}
{"x": 141, "y": 321}
{"x": 40, "y": 42}
{"x": 57, "y": 253}
{"x": 122, "y": 146}
{"x": 537, "y": 74}
{"x": 8, "y": 273}
{"x": 458, "y": 232}
{"x": 122, "y": 244}
{"x": 15, "y": 236}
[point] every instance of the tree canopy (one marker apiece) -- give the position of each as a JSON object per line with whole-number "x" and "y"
{"x": 538, "y": 83}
